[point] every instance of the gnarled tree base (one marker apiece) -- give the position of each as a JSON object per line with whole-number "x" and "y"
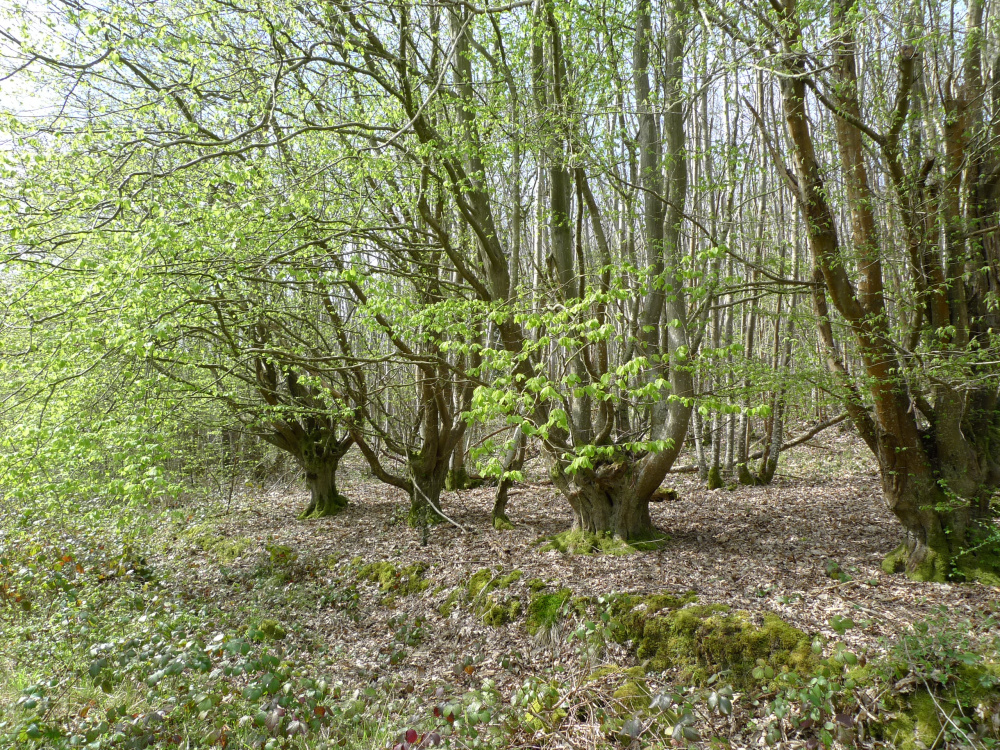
{"x": 715, "y": 478}
{"x": 502, "y": 523}
{"x": 939, "y": 564}
{"x": 422, "y": 513}
{"x": 576, "y": 542}
{"x": 330, "y": 505}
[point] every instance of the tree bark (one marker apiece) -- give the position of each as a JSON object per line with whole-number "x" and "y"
{"x": 933, "y": 478}
{"x": 319, "y": 460}
{"x": 428, "y": 480}
{"x": 321, "y": 478}
{"x": 604, "y": 500}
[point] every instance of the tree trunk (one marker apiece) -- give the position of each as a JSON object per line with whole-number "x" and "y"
{"x": 699, "y": 444}
{"x": 321, "y": 478}
{"x": 458, "y": 476}
{"x": 513, "y": 461}
{"x": 428, "y": 480}
{"x": 605, "y": 501}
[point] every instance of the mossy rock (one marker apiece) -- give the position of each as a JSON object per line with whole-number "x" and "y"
{"x": 631, "y": 611}
{"x": 634, "y": 693}
{"x": 228, "y": 550}
{"x": 271, "y": 630}
{"x": 916, "y": 717}
{"x": 545, "y": 610}
{"x": 394, "y": 581}
{"x": 700, "y": 641}
{"x": 915, "y": 725}
{"x": 576, "y": 542}
{"x": 662, "y": 494}
{"x": 493, "y": 609}
{"x": 602, "y": 673}
{"x": 486, "y": 580}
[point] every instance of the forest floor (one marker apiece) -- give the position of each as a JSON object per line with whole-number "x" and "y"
{"x": 807, "y": 548}
{"x": 753, "y": 548}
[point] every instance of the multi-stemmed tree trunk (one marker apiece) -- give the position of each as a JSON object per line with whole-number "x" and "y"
{"x": 612, "y": 496}
{"x": 935, "y": 438}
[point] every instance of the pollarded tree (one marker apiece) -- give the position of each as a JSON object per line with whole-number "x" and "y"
{"x": 927, "y": 404}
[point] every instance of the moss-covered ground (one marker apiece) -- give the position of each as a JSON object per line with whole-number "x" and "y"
{"x": 576, "y": 542}
{"x": 697, "y": 642}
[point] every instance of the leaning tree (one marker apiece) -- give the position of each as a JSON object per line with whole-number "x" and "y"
{"x": 905, "y": 246}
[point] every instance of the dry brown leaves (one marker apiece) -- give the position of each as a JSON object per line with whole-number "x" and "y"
{"x": 754, "y": 548}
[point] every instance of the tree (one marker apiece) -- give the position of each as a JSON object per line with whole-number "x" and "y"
{"x": 928, "y": 403}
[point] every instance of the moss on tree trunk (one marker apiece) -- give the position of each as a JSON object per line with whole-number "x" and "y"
{"x": 947, "y": 537}
{"x": 605, "y": 501}
{"x": 425, "y": 497}
{"x": 714, "y": 478}
{"x": 324, "y": 500}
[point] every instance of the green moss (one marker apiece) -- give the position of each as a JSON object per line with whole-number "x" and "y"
{"x": 634, "y": 693}
{"x": 861, "y": 675}
{"x": 227, "y": 550}
{"x": 481, "y": 580}
{"x": 421, "y": 514}
{"x": 927, "y": 721}
{"x": 714, "y": 478}
{"x": 899, "y": 732}
{"x": 576, "y": 542}
{"x": 664, "y": 493}
{"x": 487, "y": 580}
{"x": 632, "y": 611}
{"x": 700, "y": 641}
{"x": 329, "y": 506}
{"x": 603, "y": 672}
{"x": 502, "y": 523}
{"x": 916, "y": 718}
{"x": 448, "y": 606}
{"x": 580, "y": 605}
{"x": 461, "y": 480}
{"x": 981, "y": 564}
{"x": 224, "y": 549}
{"x": 544, "y": 610}
{"x": 536, "y": 584}
{"x": 271, "y": 630}
{"x": 496, "y": 612}
{"x": 395, "y": 581}
{"x": 915, "y": 722}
